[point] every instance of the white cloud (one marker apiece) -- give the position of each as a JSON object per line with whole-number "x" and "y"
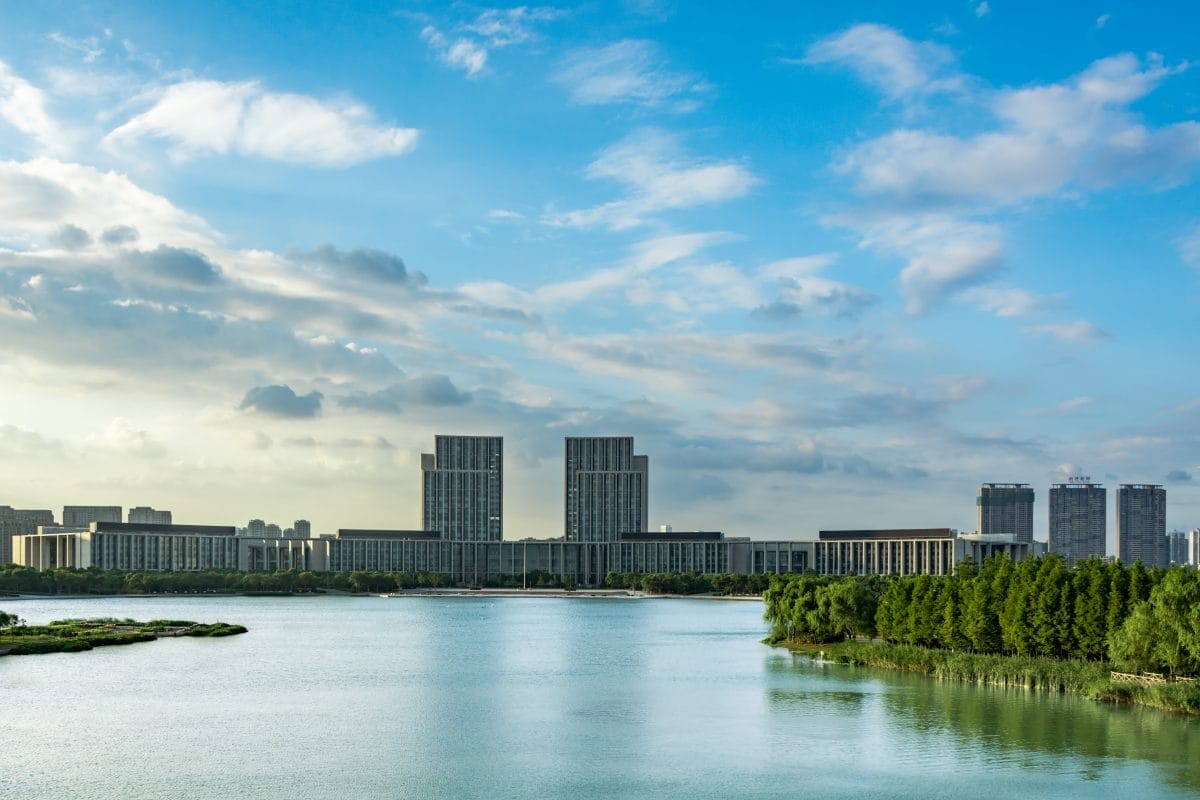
{"x": 1050, "y": 136}
{"x": 214, "y": 118}
{"x": 505, "y": 215}
{"x": 122, "y": 437}
{"x": 89, "y": 49}
{"x": 1004, "y": 301}
{"x": 1077, "y": 332}
{"x": 793, "y": 268}
{"x": 802, "y": 290}
{"x": 42, "y": 195}
{"x": 23, "y": 106}
{"x": 928, "y": 194}
{"x": 469, "y": 46}
{"x": 658, "y": 178}
{"x": 629, "y": 71}
{"x": 944, "y": 253}
{"x": 1102, "y": 20}
{"x": 883, "y": 57}
{"x": 982, "y": 9}
{"x": 504, "y": 27}
{"x": 459, "y": 53}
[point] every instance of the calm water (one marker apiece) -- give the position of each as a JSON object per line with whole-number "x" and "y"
{"x": 523, "y": 698}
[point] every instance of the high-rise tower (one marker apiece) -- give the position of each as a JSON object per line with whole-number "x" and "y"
{"x": 1078, "y": 525}
{"x": 1006, "y": 508}
{"x": 605, "y": 488}
{"x": 462, "y": 488}
{"x": 1142, "y": 524}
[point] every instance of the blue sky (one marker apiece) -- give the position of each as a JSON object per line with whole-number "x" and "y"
{"x": 832, "y": 267}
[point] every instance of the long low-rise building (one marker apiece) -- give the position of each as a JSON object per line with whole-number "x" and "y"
{"x": 146, "y": 547}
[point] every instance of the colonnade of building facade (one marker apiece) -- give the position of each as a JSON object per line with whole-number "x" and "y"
{"x": 151, "y": 548}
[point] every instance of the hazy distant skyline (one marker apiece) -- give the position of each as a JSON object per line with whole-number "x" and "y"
{"x": 832, "y": 267}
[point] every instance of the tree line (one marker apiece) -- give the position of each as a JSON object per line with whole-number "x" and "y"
{"x": 1141, "y": 619}
{"x": 689, "y": 582}
{"x": 26, "y": 580}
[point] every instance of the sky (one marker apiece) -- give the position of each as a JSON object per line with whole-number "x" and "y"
{"x": 833, "y": 265}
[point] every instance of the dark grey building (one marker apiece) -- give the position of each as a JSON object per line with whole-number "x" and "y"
{"x": 19, "y": 521}
{"x": 1142, "y": 524}
{"x": 1006, "y": 508}
{"x": 82, "y": 516}
{"x": 148, "y": 515}
{"x": 1078, "y": 520}
{"x": 462, "y": 488}
{"x": 605, "y": 488}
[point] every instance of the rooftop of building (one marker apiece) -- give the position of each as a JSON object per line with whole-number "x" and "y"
{"x": 887, "y": 533}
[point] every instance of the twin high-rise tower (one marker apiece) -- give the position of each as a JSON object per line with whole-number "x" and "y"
{"x": 605, "y": 488}
{"x": 462, "y": 488}
{"x": 1142, "y": 524}
{"x": 1077, "y": 520}
{"x": 1006, "y": 508}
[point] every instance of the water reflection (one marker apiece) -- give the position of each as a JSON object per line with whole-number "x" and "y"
{"x": 1009, "y": 728}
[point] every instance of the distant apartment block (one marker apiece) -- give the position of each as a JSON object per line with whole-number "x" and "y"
{"x": 1078, "y": 521}
{"x": 1177, "y": 549}
{"x": 139, "y": 515}
{"x": 1142, "y": 524}
{"x": 1193, "y": 547}
{"x": 18, "y": 521}
{"x": 462, "y": 488}
{"x": 1006, "y": 508}
{"x": 82, "y": 516}
{"x": 256, "y": 528}
{"x": 605, "y": 488}
{"x": 302, "y": 529}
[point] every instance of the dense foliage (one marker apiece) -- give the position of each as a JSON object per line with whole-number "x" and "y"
{"x": 26, "y": 580}
{"x": 95, "y": 581}
{"x": 689, "y": 583}
{"x": 1141, "y": 619}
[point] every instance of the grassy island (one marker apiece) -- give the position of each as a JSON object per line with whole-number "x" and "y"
{"x": 1101, "y": 630}
{"x": 74, "y": 635}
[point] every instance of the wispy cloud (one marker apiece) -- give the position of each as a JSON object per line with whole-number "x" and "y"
{"x": 929, "y": 197}
{"x": 1004, "y": 301}
{"x": 468, "y": 44}
{"x": 1077, "y": 332}
{"x": 23, "y": 106}
{"x": 460, "y": 53}
{"x": 894, "y": 64}
{"x": 1065, "y": 407}
{"x": 208, "y": 118}
{"x": 630, "y": 71}
{"x": 659, "y": 177}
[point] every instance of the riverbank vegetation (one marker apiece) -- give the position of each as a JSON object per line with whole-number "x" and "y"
{"x": 75, "y": 635}
{"x": 25, "y": 580}
{"x": 726, "y": 584}
{"x": 1034, "y": 623}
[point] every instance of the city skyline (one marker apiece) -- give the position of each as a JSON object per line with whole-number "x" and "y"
{"x": 832, "y": 267}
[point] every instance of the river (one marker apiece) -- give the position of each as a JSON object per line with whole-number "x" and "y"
{"x": 370, "y": 697}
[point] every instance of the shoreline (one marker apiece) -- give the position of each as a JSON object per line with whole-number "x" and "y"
{"x": 1003, "y": 671}
{"x": 587, "y": 594}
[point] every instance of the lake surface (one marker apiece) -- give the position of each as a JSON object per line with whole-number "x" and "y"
{"x": 369, "y": 697}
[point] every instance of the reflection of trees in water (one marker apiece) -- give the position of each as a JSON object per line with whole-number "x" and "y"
{"x": 1016, "y": 720}
{"x": 822, "y": 697}
{"x": 1013, "y": 723}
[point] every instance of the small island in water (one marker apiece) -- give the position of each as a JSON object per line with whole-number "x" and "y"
{"x": 74, "y": 635}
